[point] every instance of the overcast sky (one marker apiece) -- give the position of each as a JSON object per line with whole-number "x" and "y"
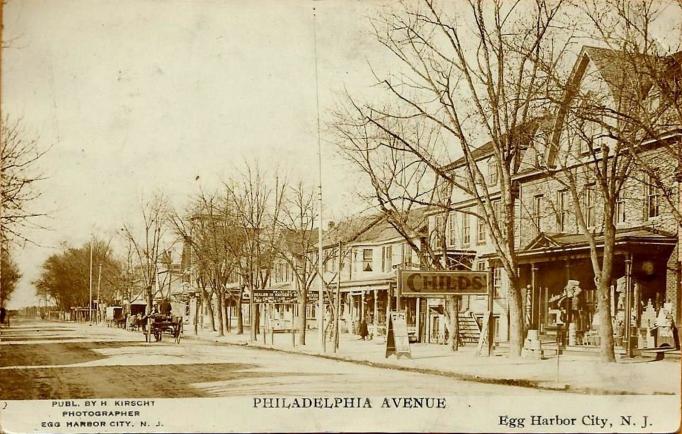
{"x": 139, "y": 96}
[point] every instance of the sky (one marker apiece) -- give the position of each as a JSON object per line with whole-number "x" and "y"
{"x": 134, "y": 97}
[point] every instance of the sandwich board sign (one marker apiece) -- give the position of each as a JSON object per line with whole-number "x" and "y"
{"x": 397, "y": 341}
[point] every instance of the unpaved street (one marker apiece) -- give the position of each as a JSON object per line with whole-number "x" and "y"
{"x": 52, "y": 360}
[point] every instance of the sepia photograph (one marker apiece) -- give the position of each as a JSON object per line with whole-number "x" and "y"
{"x": 340, "y": 216}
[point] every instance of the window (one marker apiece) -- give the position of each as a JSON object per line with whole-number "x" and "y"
{"x": 619, "y": 211}
{"x": 536, "y": 212}
{"x": 481, "y": 236}
{"x": 452, "y": 235}
{"x": 497, "y": 209}
{"x": 562, "y": 208}
{"x": 497, "y": 280}
{"x": 588, "y": 205}
{"x": 492, "y": 172}
{"x": 466, "y": 230}
{"x": 367, "y": 259}
{"x": 387, "y": 261}
{"x": 480, "y": 266}
{"x": 653, "y": 197}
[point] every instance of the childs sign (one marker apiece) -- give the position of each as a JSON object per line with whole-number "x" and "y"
{"x": 397, "y": 341}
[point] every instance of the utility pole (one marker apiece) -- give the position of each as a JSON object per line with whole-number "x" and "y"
{"x": 320, "y": 290}
{"x": 90, "y": 305}
{"x": 99, "y": 279}
{"x": 337, "y": 301}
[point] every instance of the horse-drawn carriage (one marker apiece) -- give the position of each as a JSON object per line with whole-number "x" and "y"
{"x": 164, "y": 324}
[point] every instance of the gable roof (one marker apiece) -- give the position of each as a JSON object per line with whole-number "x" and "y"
{"x": 524, "y": 131}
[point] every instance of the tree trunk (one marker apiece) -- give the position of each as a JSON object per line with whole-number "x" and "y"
{"x": 197, "y": 309}
{"x": 228, "y": 320}
{"x": 221, "y": 316}
{"x": 240, "y": 318}
{"x": 604, "y": 295}
{"x": 211, "y": 311}
{"x": 516, "y": 319}
{"x": 302, "y": 326}
{"x": 452, "y": 303}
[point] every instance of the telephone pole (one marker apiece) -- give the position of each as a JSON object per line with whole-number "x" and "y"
{"x": 90, "y": 305}
{"x": 99, "y": 279}
{"x": 320, "y": 290}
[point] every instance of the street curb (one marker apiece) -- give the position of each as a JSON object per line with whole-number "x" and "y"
{"x": 533, "y": 384}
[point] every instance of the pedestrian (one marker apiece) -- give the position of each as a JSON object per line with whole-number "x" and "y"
{"x": 364, "y": 332}
{"x": 3, "y": 313}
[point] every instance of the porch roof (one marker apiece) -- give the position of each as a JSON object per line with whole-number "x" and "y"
{"x": 548, "y": 244}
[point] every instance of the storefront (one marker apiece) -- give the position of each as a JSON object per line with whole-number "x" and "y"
{"x": 560, "y": 291}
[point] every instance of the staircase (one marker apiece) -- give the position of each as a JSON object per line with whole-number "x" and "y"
{"x": 469, "y": 331}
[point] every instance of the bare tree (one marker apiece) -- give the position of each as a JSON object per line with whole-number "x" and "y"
{"x": 653, "y": 113}
{"x": 212, "y": 232}
{"x": 256, "y": 203}
{"x": 472, "y": 76}
{"x": 148, "y": 244}
{"x": 297, "y": 247}
{"x": 401, "y": 184}
{"x": 608, "y": 119}
{"x": 19, "y": 156}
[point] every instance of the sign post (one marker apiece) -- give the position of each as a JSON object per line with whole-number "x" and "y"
{"x": 397, "y": 341}
{"x": 419, "y": 283}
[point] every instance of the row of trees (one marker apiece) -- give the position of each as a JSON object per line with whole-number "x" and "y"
{"x": 227, "y": 239}
{"x": 503, "y": 73}
{"x": 66, "y": 276}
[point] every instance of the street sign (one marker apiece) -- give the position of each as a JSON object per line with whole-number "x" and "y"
{"x": 397, "y": 340}
{"x": 441, "y": 283}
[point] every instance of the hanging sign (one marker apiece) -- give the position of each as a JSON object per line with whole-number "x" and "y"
{"x": 439, "y": 283}
{"x": 397, "y": 340}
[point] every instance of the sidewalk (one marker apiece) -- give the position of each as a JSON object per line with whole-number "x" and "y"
{"x": 580, "y": 373}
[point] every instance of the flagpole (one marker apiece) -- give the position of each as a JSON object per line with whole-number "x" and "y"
{"x": 320, "y": 290}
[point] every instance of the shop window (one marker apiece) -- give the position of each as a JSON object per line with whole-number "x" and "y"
{"x": 466, "y": 230}
{"x": 653, "y": 197}
{"x": 536, "y": 212}
{"x": 367, "y": 259}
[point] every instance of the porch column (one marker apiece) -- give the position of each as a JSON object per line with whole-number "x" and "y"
{"x": 533, "y": 310}
{"x": 419, "y": 300}
{"x": 628, "y": 305}
{"x": 388, "y": 306}
{"x": 362, "y": 305}
{"x": 375, "y": 319}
